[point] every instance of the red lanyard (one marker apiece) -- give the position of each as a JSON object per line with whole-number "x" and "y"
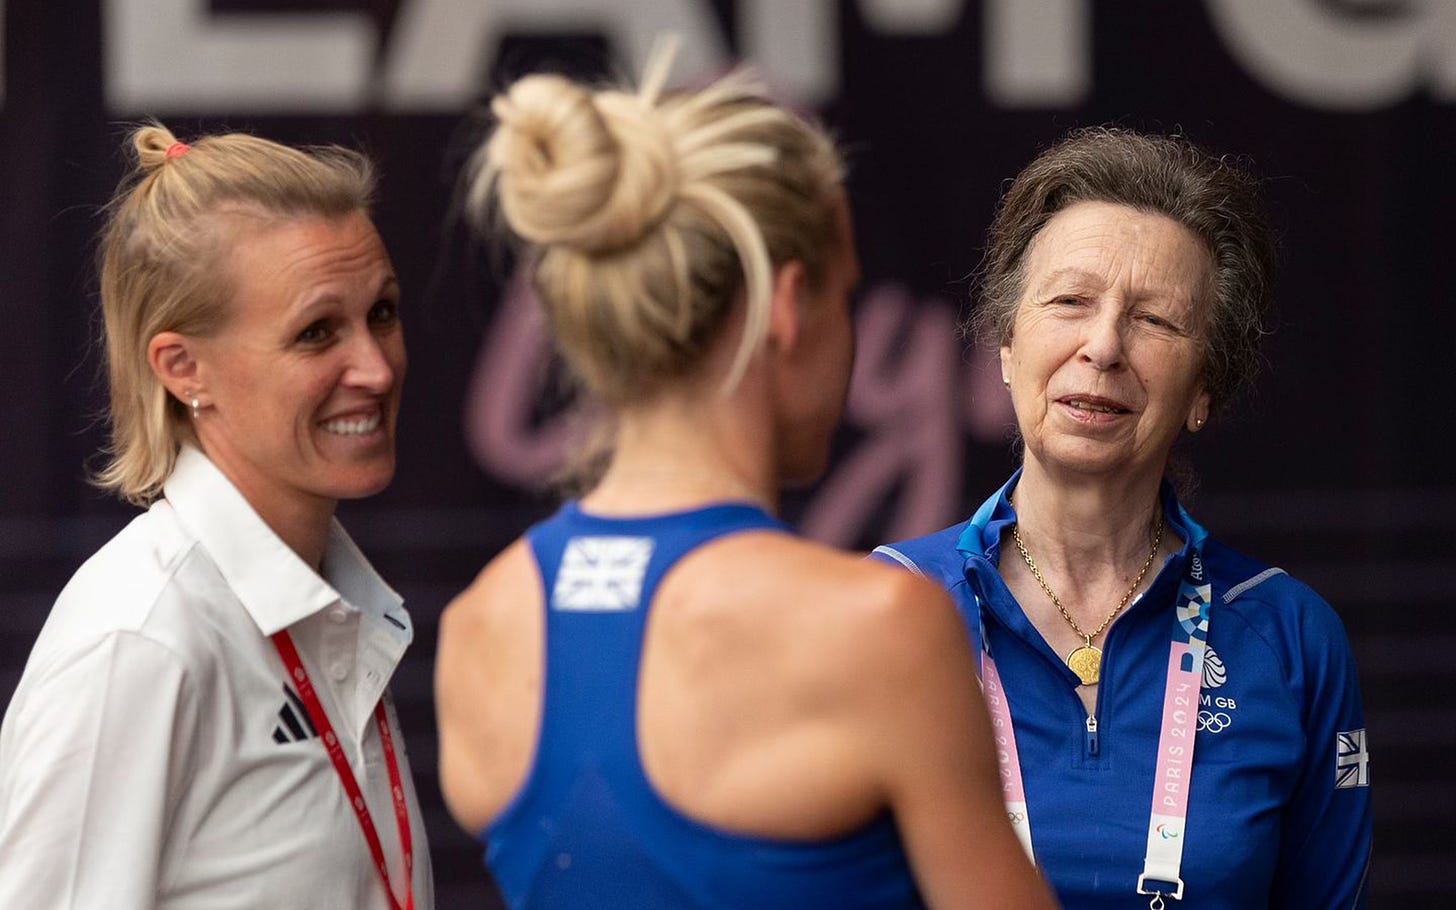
{"x": 284, "y": 644}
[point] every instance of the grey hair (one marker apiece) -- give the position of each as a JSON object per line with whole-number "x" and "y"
{"x": 1214, "y": 197}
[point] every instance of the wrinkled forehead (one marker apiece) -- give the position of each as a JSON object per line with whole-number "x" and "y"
{"x": 1106, "y": 248}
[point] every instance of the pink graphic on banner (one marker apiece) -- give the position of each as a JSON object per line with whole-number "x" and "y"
{"x": 915, "y": 399}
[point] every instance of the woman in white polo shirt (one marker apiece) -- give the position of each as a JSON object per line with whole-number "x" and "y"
{"x": 205, "y": 720}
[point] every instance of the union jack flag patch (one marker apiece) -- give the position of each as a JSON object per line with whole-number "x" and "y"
{"x": 601, "y": 574}
{"x": 1352, "y": 762}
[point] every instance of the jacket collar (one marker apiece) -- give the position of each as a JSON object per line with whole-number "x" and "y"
{"x": 982, "y": 534}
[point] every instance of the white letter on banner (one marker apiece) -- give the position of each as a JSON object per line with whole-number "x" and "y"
{"x": 795, "y": 44}
{"x": 1038, "y": 53}
{"x": 173, "y": 56}
{"x": 1441, "y": 42}
{"x": 441, "y": 50}
{"x": 911, "y": 16}
{"x": 1326, "y": 59}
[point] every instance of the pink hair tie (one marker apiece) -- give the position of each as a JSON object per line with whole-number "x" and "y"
{"x": 176, "y": 150}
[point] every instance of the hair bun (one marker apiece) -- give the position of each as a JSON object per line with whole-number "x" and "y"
{"x": 151, "y": 143}
{"x": 594, "y": 172}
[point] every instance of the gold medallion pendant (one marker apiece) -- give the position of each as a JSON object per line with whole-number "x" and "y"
{"x": 1086, "y": 662}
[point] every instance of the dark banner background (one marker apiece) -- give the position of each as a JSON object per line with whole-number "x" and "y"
{"x": 1337, "y": 469}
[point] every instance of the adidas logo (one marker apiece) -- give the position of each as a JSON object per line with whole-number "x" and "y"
{"x": 294, "y": 724}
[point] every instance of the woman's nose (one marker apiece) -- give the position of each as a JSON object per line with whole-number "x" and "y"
{"x": 376, "y": 362}
{"x": 1103, "y": 345}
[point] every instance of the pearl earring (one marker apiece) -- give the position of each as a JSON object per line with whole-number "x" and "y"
{"x": 195, "y": 409}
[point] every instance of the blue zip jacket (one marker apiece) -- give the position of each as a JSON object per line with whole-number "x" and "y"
{"x": 1279, "y": 805}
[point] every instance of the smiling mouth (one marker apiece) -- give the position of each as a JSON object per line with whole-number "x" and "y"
{"x": 1095, "y": 405}
{"x": 358, "y": 427}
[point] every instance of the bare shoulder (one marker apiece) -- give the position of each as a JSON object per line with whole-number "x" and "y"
{"x": 496, "y": 592}
{"x": 894, "y": 620}
{"x": 860, "y": 591}
{"x": 488, "y": 686}
{"x": 490, "y": 629}
{"x": 844, "y": 612}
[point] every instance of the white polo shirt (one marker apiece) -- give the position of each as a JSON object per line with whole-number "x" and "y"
{"x": 152, "y": 756}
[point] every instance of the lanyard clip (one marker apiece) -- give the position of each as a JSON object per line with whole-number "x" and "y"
{"x": 1159, "y": 893}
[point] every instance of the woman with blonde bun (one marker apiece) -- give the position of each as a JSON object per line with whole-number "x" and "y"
{"x": 205, "y": 719}
{"x": 661, "y": 697}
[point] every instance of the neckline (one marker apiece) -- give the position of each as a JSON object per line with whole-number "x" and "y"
{"x": 574, "y": 508}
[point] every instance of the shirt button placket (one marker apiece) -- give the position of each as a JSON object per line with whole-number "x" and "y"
{"x": 339, "y": 636}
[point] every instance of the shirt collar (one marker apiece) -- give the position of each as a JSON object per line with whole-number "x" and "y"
{"x": 274, "y": 584}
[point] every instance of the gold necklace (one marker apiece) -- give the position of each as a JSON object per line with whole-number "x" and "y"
{"x": 1086, "y": 660}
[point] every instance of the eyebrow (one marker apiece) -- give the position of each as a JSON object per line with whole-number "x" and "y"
{"x": 1084, "y": 278}
{"x": 1072, "y": 273}
{"x": 329, "y": 298}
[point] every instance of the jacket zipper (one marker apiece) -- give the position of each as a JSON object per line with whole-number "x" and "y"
{"x": 1092, "y": 744}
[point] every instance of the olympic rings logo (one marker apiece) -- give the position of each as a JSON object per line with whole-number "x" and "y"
{"x": 1214, "y": 723}
{"x": 1016, "y": 817}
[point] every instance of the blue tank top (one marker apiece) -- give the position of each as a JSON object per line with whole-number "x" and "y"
{"x": 587, "y": 829}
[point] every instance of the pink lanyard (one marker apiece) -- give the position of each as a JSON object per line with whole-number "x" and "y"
{"x": 1013, "y": 794}
{"x": 315, "y": 708}
{"x": 1163, "y": 860}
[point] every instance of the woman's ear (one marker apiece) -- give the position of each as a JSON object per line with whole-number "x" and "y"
{"x": 1198, "y": 414}
{"x": 173, "y": 361}
{"x": 784, "y": 318}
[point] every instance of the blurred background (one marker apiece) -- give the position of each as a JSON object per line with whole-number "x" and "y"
{"x": 1337, "y": 469}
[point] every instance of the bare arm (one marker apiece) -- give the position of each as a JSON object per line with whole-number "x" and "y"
{"x": 488, "y": 688}
{"x": 455, "y": 677}
{"x": 931, "y": 739}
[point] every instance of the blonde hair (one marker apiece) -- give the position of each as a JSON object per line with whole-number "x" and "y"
{"x": 161, "y": 268}
{"x": 648, "y": 213}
